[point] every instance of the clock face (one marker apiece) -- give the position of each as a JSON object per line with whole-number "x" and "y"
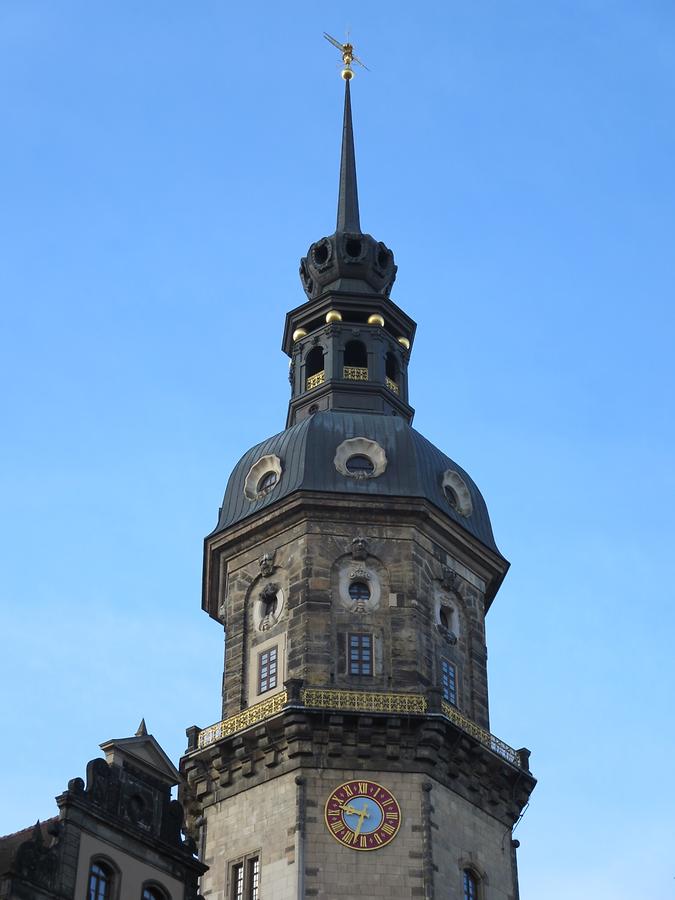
{"x": 363, "y": 815}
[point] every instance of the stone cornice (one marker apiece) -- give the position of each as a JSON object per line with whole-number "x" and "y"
{"x": 303, "y": 738}
{"x": 317, "y": 507}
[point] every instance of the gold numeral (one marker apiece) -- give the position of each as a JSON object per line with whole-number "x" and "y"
{"x": 388, "y": 829}
{"x": 364, "y": 841}
{"x": 348, "y": 791}
{"x": 363, "y": 787}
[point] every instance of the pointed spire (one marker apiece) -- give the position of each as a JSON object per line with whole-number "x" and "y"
{"x": 348, "y": 196}
{"x": 142, "y": 730}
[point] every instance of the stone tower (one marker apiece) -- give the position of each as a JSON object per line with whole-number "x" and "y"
{"x": 352, "y": 567}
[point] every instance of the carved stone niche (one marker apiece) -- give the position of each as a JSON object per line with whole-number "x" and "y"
{"x": 359, "y": 586}
{"x": 268, "y": 606}
{"x": 446, "y": 613}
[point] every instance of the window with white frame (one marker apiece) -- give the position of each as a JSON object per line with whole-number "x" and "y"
{"x": 268, "y": 665}
{"x": 245, "y": 878}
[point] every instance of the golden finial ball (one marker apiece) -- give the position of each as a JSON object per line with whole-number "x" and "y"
{"x": 347, "y": 74}
{"x": 333, "y": 316}
{"x": 404, "y": 342}
{"x": 299, "y": 333}
{"x": 376, "y": 319}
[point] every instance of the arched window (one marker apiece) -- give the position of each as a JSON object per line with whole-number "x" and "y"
{"x": 150, "y": 892}
{"x": 100, "y": 881}
{"x": 314, "y": 373}
{"x": 470, "y": 885}
{"x": 391, "y": 370}
{"x": 356, "y": 354}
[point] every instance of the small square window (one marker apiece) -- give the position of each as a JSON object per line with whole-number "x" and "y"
{"x": 267, "y": 670}
{"x": 360, "y": 660}
{"x": 449, "y": 682}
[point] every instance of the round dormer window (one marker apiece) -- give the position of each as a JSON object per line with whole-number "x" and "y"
{"x": 457, "y": 493}
{"x": 263, "y": 476}
{"x": 267, "y": 482}
{"x": 360, "y": 465}
{"x": 360, "y": 458}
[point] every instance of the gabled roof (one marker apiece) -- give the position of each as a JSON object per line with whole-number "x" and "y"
{"x": 143, "y": 752}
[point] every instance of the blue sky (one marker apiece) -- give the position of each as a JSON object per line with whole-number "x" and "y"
{"x": 163, "y": 168}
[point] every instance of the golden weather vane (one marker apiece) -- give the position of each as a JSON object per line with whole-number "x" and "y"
{"x": 348, "y": 56}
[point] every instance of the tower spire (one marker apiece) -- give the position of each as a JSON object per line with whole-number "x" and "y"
{"x": 348, "y": 195}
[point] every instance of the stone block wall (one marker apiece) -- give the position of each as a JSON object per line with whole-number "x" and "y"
{"x": 282, "y": 820}
{"x": 413, "y": 574}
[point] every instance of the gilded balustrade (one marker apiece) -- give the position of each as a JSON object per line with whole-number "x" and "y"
{"x": 487, "y": 740}
{"x": 248, "y": 717}
{"x": 315, "y": 380}
{"x": 362, "y": 701}
{"x": 391, "y": 384}
{"x": 355, "y": 373}
{"x": 355, "y": 701}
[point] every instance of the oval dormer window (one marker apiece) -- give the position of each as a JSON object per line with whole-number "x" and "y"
{"x": 267, "y": 482}
{"x": 360, "y": 458}
{"x": 360, "y": 464}
{"x": 263, "y": 476}
{"x": 457, "y": 493}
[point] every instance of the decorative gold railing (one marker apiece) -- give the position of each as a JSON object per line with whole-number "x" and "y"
{"x": 355, "y": 701}
{"x": 315, "y": 380}
{"x": 355, "y": 373}
{"x": 242, "y": 720}
{"x": 392, "y": 385}
{"x": 362, "y": 701}
{"x": 487, "y": 740}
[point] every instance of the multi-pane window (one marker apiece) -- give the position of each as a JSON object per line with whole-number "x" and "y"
{"x": 360, "y": 654}
{"x": 267, "y": 670}
{"x": 449, "y": 682}
{"x": 245, "y": 879}
{"x": 100, "y": 882}
{"x": 254, "y": 878}
{"x": 238, "y": 881}
{"x": 470, "y": 885}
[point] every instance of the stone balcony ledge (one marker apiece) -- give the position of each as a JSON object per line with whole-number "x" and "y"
{"x": 296, "y": 696}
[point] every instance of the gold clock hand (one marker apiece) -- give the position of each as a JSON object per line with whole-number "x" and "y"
{"x": 362, "y": 814}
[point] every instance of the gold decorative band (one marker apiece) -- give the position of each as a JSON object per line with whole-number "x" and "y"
{"x": 355, "y": 701}
{"x": 245, "y": 719}
{"x": 362, "y": 701}
{"x": 355, "y": 373}
{"x": 315, "y": 380}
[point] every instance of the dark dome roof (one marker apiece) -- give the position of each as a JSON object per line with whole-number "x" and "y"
{"x": 415, "y": 468}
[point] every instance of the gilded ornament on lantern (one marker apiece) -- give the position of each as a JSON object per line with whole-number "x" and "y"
{"x": 333, "y": 316}
{"x": 404, "y": 342}
{"x": 376, "y": 319}
{"x": 299, "y": 333}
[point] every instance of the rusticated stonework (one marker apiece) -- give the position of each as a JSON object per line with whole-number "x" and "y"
{"x": 460, "y": 797}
